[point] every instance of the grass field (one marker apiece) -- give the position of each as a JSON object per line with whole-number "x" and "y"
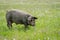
{"x": 47, "y": 25}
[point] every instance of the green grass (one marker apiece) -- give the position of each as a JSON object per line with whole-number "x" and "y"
{"x": 47, "y": 25}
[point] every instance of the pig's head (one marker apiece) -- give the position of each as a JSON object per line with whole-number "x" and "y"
{"x": 31, "y": 20}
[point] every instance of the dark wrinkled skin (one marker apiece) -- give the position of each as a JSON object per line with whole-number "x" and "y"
{"x": 18, "y": 17}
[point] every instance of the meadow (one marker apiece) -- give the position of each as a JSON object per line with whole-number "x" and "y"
{"x": 47, "y": 25}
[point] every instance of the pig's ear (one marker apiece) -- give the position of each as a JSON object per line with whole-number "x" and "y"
{"x": 35, "y": 17}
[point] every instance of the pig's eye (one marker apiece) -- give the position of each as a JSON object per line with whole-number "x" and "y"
{"x": 31, "y": 20}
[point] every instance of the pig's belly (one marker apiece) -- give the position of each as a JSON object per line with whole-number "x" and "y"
{"x": 18, "y": 21}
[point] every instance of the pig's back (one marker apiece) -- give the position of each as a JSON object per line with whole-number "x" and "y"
{"x": 18, "y": 12}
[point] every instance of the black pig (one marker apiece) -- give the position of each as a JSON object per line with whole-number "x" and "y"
{"x": 19, "y": 17}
